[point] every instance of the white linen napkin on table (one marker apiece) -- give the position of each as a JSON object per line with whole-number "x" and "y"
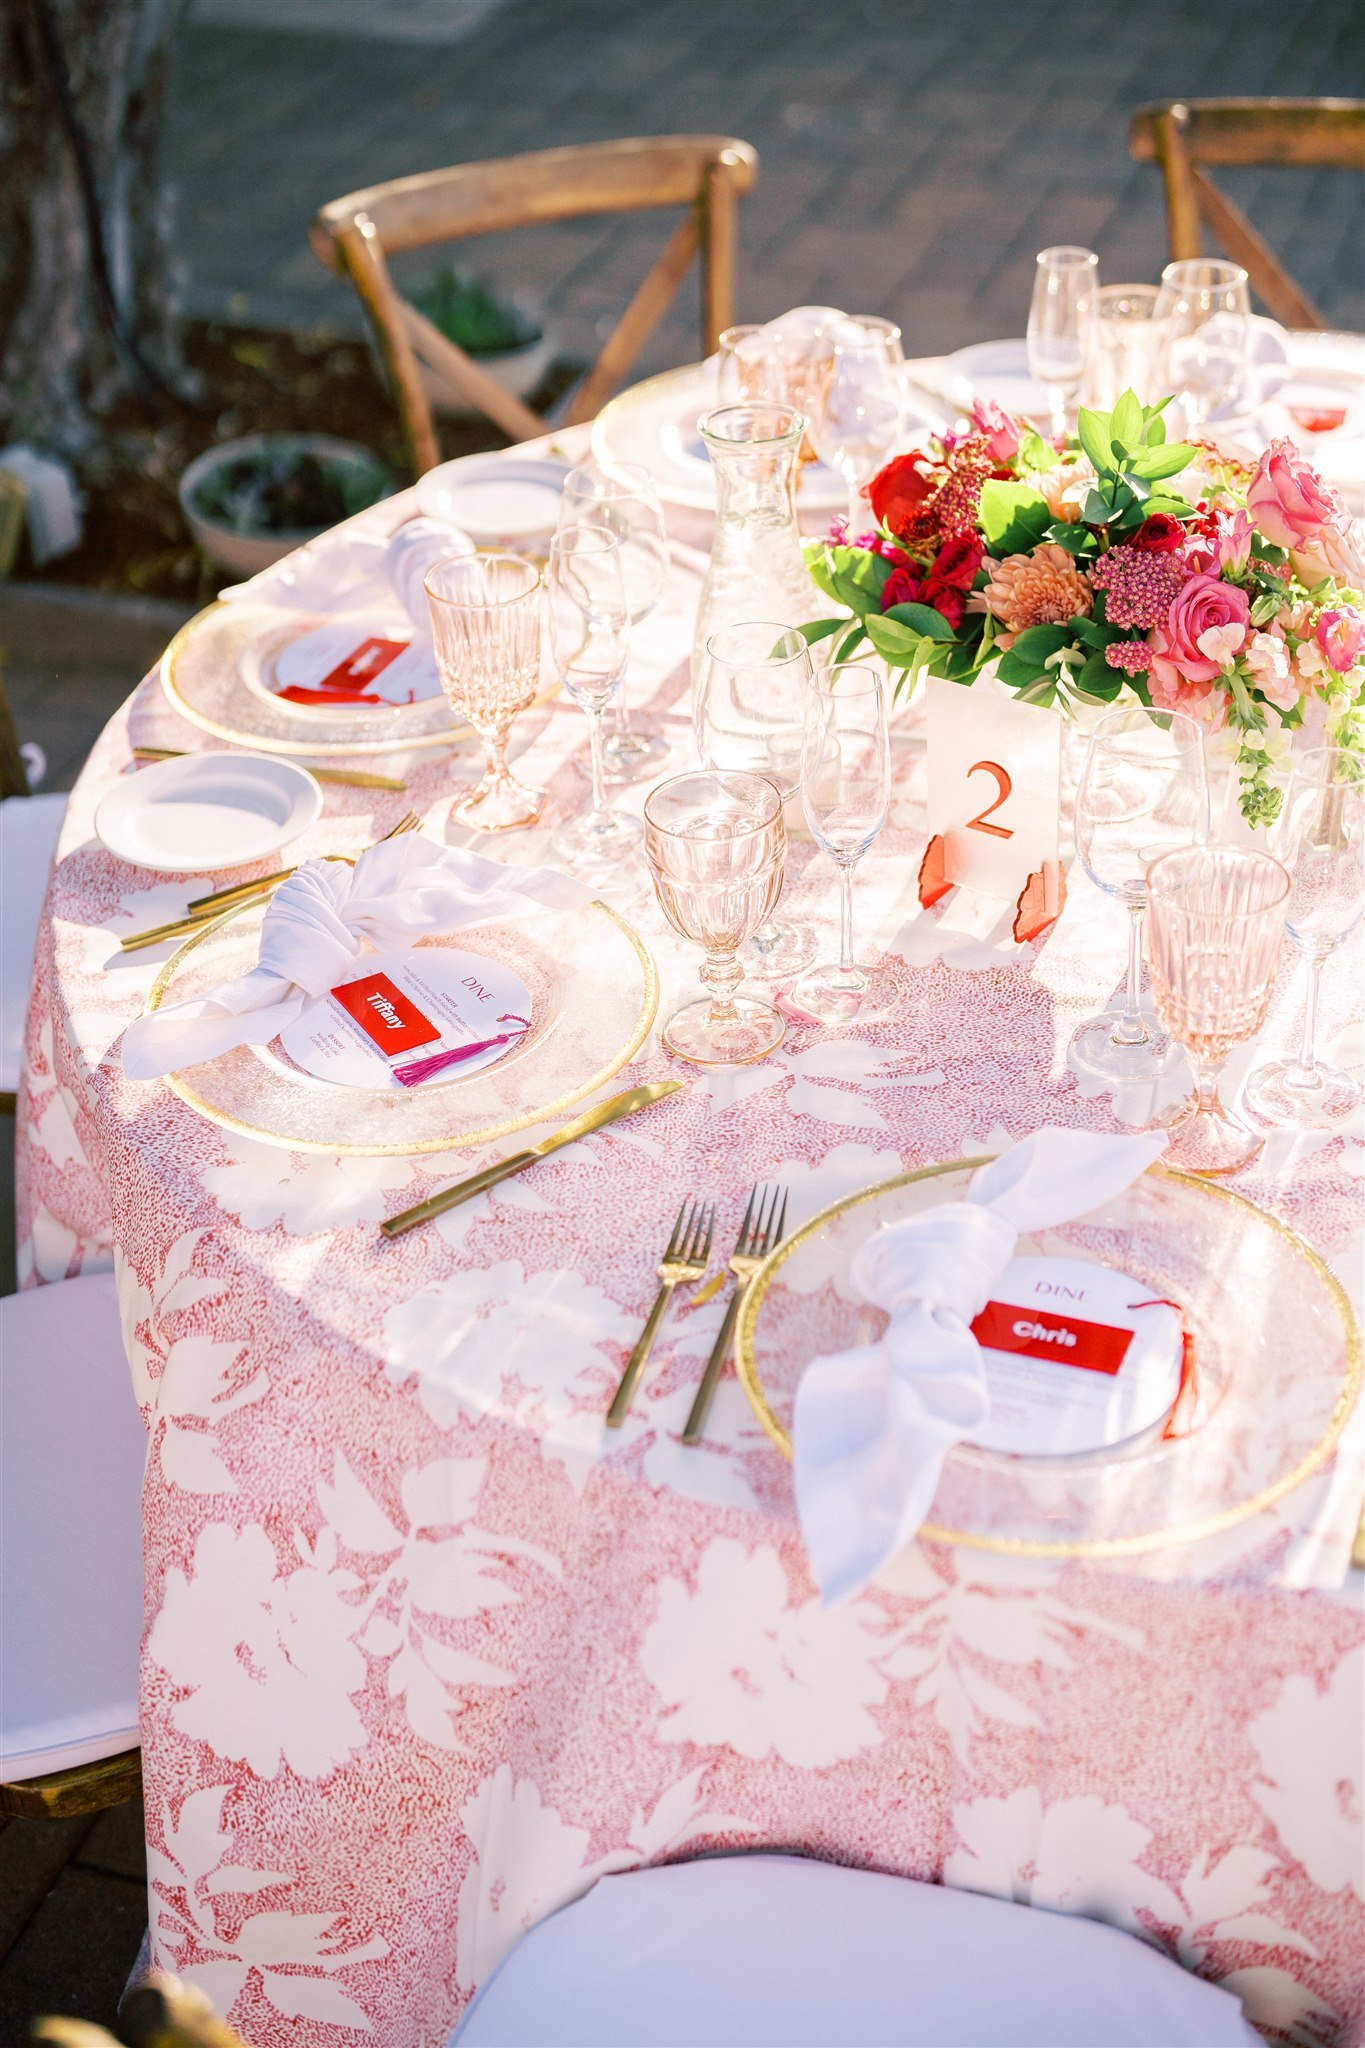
{"x": 353, "y": 569}
{"x": 872, "y": 1426}
{"x": 315, "y": 929}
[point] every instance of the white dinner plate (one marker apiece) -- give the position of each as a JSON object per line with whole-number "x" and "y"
{"x": 204, "y": 812}
{"x": 499, "y": 500}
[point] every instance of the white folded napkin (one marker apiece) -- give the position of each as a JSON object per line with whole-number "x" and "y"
{"x": 352, "y": 569}
{"x": 314, "y": 932}
{"x": 872, "y": 1426}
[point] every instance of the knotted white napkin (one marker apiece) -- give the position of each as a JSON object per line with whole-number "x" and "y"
{"x": 353, "y": 569}
{"x": 315, "y": 930}
{"x": 872, "y": 1426}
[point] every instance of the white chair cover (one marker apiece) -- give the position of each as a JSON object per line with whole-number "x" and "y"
{"x": 72, "y": 1449}
{"x": 29, "y": 826}
{"x": 780, "y": 1952}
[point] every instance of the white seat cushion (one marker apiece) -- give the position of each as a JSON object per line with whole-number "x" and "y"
{"x": 29, "y": 826}
{"x": 72, "y": 1449}
{"x": 768, "y": 1950}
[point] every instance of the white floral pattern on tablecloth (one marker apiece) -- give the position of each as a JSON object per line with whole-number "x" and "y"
{"x": 428, "y": 1650}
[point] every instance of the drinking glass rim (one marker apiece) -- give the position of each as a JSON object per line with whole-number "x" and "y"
{"x": 1255, "y": 854}
{"x": 873, "y": 686}
{"x": 626, "y": 473}
{"x": 1180, "y": 721}
{"x": 1109, "y": 295}
{"x": 774, "y": 626}
{"x": 483, "y": 604}
{"x": 796, "y": 431}
{"x": 715, "y": 775}
{"x": 603, "y": 541}
{"x": 1220, "y": 274}
{"x": 1069, "y": 255}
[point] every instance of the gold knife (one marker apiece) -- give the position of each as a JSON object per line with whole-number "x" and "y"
{"x": 355, "y": 778}
{"x": 594, "y": 1119}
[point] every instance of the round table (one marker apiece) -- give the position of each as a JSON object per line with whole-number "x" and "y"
{"x": 428, "y": 1649}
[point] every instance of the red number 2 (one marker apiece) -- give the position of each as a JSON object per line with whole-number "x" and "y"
{"x": 1004, "y": 785}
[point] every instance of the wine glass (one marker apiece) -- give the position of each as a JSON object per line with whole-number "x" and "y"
{"x": 740, "y": 355}
{"x": 845, "y": 794}
{"x": 1064, "y": 288}
{"x": 621, "y": 498}
{"x": 886, "y": 332}
{"x": 717, "y": 848}
{"x": 485, "y": 625}
{"x": 855, "y": 408}
{"x": 1203, "y": 314}
{"x": 750, "y": 715}
{"x": 1215, "y": 923}
{"x": 588, "y": 614}
{"x": 1320, "y": 838}
{"x": 1144, "y": 789}
{"x": 1124, "y": 355}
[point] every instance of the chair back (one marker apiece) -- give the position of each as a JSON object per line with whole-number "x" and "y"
{"x": 13, "y": 775}
{"x": 1184, "y": 136}
{"x": 356, "y": 236}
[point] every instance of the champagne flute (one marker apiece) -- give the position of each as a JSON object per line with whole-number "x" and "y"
{"x": 1144, "y": 789}
{"x": 750, "y": 715}
{"x": 1215, "y": 923}
{"x": 716, "y": 848}
{"x": 1320, "y": 838}
{"x": 485, "y": 624}
{"x": 740, "y": 356}
{"x": 621, "y": 498}
{"x": 1203, "y": 314}
{"x": 1059, "y": 318}
{"x": 855, "y": 407}
{"x": 1123, "y": 345}
{"x": 588, "y": 614}
{"x": 845, "y": 794}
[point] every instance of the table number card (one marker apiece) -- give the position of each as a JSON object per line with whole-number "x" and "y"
{"x": 995, "y": 770}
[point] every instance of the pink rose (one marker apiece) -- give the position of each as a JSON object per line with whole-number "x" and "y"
{"x": 1341, "y": 636}
{"x": 1287, "y": 499}
{"x": 1203, "y": 604}
{"x": 1332, "y": 553}
{"x": 1001, "y": 432}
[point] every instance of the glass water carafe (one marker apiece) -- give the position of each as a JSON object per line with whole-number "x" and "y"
{"x": 757, "y": 570}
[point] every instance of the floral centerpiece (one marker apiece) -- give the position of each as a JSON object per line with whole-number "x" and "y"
{"x": 1079, "y": 571}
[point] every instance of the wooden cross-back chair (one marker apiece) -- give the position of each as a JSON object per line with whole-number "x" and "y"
{"x": 357, "y": 235}
{"x": 1183, "y": 136}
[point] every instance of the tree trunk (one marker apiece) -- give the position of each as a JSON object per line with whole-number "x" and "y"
{"x": 86, "y": 314}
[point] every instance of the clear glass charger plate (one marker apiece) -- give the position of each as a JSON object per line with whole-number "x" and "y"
{"x": 212, "y": 672}
{"x": 594, "y": 991}
{"x": 1277, "y": 1353}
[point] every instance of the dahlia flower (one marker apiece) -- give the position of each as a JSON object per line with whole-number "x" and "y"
{"x": 1039, "y": 589}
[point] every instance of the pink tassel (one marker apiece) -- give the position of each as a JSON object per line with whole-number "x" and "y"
{"x": 436, "y": 1063}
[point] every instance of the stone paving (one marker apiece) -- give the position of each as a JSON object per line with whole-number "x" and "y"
{"x": 914, "y": 157}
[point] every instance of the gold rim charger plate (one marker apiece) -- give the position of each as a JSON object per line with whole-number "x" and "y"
{"x": 1277, "y": 1353}
{"x": 211, "y": 674}
{"x": 594, "y": 991}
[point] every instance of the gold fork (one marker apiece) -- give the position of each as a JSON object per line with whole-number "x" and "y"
{"x": 202, "y": 910}
{"x": 765, "y": 1220}
{"x": 686, "y": 1258}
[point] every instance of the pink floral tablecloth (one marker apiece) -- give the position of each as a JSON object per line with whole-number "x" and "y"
{"x": 427, "y": 1649}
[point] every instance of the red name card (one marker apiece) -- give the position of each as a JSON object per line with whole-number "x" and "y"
{"x": 385, "y": 1015}
{"x": 1099, "y": 1347}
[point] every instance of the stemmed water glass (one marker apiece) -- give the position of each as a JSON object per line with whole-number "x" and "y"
{"x": 1215, "y": 924}
{"x": 716, "y": 849}
{"x": 855, "y": 406}
{"x": 752, "y": 688}
{"x": 588, "y": 614}
{"x": 1319, "y": 837}
{"x": 1144, "y": 789}
{"x": 1203, "y": 316}
{"x": 621, "y": 499}
{"x": 1064, "y": 288}
{"x": 845, "y": 794}
{"x": 485, "y": 623}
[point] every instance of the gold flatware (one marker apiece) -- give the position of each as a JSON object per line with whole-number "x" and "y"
{"x": 765, "y": 1221}
{"x": 355, "y": 778}
{"x": 202, "y": 910}
{"x": 594, "y": 1119}
{"x": 686, "y": 1258}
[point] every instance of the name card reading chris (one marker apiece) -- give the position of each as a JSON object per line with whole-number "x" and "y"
{"x": 429, "y": 1000}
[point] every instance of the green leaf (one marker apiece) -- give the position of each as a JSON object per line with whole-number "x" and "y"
{"x": 1071, "y": 535}
{"x": 1096, "y": 510}
{"x": 1168, "y": 501}
{"x": 851, "y": 576}
{"x": 819, "y": 629}
{"x": 957, "y": 663}
{"x": 1026, "y": 661}
{"x": 1125, "y": 425}
{"x": 1155, "y": 463}
{"x": 1014, "y": 517}
{"x": 921, "y": 618}
{"x": 1036, "y": 453}
{"x": 1265, "y": 608}
{"x": 1093, "y": 632}
{"x": 893, "y": 641}
{"x": 1156, "y": 430}
{"x": 1095, "y": 679}
{"x": 850, "y": 642}
{"x": 1096, "y": 432}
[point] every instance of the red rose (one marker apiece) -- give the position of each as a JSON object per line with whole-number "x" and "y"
{"x": 1158, "y": 534}
{"x": 900, "y": 587}
{"x": 958, "y": 561}
{"x": 897, "y": 492}
{"x": 945, "y": 598}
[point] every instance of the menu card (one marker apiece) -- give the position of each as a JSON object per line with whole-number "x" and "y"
{"x": 353, "y": 662}
{"x": 403, "y": 1007}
